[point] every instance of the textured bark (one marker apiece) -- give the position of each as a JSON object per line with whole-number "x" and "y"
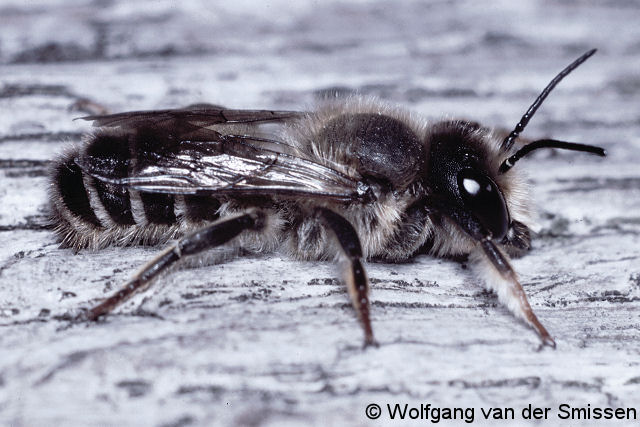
{"x": 263, "y": 340}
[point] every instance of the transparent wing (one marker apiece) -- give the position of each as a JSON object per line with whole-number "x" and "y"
{"x": 162, "y": 160}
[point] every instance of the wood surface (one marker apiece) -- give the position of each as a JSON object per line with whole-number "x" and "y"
{"x": 263, "y": 340}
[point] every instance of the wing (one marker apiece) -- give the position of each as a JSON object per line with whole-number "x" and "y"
{"x": 190, "y": 117}
{"x": 209, "y": 162}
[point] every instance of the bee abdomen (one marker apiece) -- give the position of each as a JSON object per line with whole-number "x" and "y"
{"x": 89, "y": 212}
{"x": 114, "y": 200}
{"x": 70, "y": 195}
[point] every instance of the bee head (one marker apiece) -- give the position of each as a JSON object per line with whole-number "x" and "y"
{"x": 468, "y": 185}
{"x": 462, "y": 179}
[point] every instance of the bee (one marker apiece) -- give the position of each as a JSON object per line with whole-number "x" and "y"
{"x": 355, "y": 179}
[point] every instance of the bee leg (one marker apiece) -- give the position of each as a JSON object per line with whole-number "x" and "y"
{"x": 208, "y": 237}
{"x": 510, "y": 291}
{"x": 355, "y": 277}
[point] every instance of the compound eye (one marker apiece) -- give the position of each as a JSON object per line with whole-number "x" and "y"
{"x": 484, "y": 201}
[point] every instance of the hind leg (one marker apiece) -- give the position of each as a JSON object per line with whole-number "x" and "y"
{"x": 208, "y": 237}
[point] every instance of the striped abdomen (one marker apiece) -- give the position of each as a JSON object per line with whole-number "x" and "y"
{"x": 88, "y": 212}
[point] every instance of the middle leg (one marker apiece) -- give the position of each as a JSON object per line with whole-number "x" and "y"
{"x": 356, "y": 278}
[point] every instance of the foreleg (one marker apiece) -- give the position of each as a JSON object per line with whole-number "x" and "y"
{"x": 502, "y": 278}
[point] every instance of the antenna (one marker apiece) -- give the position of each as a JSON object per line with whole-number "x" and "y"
{"x": 549, "y": 143}
{"x": 509, "y": 140}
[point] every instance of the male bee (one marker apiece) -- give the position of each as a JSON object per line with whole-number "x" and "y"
{"x": 355, "y": 179}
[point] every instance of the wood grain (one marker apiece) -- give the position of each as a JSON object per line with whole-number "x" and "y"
{"x": 267, "y": 341}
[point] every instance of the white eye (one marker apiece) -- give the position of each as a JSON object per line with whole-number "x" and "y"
{"x": 471, "y": 186}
